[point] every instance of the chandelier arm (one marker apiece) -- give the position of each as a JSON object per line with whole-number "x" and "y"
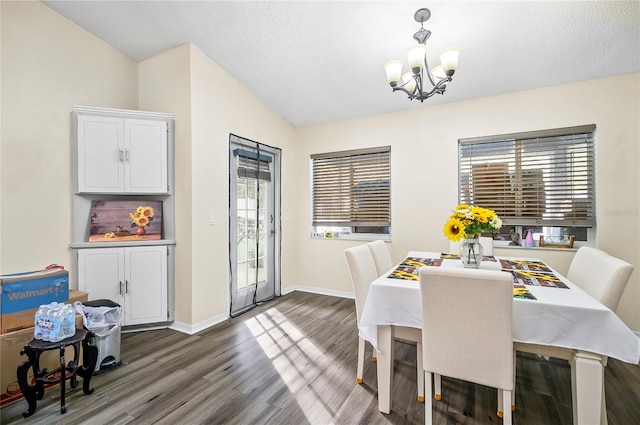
{"x": 439, "y": 88}
{"x": 427, "y": 70}
{"x": 404, "y": 90}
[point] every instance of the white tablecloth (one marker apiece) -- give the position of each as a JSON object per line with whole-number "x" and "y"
{"x": 568, "y": 318}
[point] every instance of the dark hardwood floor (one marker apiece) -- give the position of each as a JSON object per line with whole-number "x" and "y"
{"x": 293, "y": 361}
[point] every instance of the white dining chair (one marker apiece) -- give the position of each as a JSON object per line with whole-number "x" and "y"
{"x": 363, "y": 271}
{"x": 485, "y": 241}
{"x": 602, "y": 276}
{"x": 467, "y": 330}
{"x": 381, "y": 256}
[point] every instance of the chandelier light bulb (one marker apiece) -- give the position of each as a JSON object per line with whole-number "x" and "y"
{"x": 416, "y": 55}
{"x": 408, "y": 82}
{"x": 449, "y": 60}
{"x": 438, "y": 73}
{"x": 394, "y": 70}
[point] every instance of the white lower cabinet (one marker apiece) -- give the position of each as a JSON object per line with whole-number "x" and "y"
{"x": 134, "y": 277}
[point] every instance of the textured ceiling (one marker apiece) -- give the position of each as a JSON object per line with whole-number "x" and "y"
{"x": 319, "y": 61}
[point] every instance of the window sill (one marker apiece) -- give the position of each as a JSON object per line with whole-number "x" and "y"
{"x": 505, "y": 244}
{"x": 354, "y": 236}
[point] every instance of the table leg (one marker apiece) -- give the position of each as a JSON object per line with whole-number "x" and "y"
{"x": 587, "y": 386}
{"x": 63, "y": 379}
{"x": 29, "y": 392}
{"x": 89, "y": 360}
{"x": 385, "y": 367}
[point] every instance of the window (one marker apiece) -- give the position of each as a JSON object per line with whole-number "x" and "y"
{"x": 351, "y": 191}
{"x": 541, "y": 179}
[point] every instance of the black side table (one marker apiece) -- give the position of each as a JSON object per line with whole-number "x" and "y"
{"x": 36, "y": 347}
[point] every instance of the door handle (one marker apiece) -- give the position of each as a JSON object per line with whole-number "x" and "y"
{"x": 126, "y": 291}
{"x": 126, "y": 155}
{"x": 120, "y": 287}
{"x": 120, "y": 155}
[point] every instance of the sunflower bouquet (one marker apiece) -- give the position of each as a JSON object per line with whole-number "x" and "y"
{"x": 468, "y": 221}
{"x": 141, "y": 217}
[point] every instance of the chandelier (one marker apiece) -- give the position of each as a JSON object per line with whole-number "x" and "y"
{"x": 413, "y": 82}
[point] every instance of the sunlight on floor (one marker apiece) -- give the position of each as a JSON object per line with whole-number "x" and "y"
{"x": 299, "y": 362}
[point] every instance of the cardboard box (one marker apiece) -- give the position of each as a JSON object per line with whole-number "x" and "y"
{"x": 23, "y": 293}
{"x": 10, "y": 346}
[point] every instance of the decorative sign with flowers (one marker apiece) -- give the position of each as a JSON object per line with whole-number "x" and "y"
{"x": 470, "y": 221}
{"x": 110, "y": 220}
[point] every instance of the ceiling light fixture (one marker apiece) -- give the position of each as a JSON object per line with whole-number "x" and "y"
{"x": 412, "y": 82}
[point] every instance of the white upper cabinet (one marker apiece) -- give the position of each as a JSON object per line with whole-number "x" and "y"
{"x": 121, "y": 155}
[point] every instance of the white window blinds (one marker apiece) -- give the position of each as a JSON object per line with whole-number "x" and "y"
{"x": 543, "y": 178}
{"x": 252, "y": 164}
{"x": 352, "y": 188}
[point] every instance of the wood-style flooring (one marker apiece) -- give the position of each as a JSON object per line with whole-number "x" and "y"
{"x": 293, "y": 361}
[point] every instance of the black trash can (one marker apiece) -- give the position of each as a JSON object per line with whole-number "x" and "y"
{"x": 102, "y": 317}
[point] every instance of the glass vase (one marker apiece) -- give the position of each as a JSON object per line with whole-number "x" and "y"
{"x": 471, "y": 252}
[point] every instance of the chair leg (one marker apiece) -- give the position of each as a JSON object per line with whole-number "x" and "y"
{"x": 506, "y": 400}
{"x": 603, "y": 409}
{"x": 420, "y": 372}
{"x": 428, "y": 401}
{"x": 513, "y": 391}
{"x": 360, "y": 370}
{"x": 438, "y": 386}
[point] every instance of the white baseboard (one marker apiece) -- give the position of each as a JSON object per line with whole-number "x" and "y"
{"x": 197, "y": 327}
{"x": 319, "y": 291}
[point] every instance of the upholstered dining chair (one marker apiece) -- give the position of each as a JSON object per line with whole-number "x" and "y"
{"x": 363, "y": 271}
{"x": 602, "y": 276}
{"x": 381, "y": 256}
{"x": 485, "y": 241}
{"x": 467, "y": 330}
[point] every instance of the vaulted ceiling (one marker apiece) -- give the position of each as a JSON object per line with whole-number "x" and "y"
{"x": 319, "y": 61}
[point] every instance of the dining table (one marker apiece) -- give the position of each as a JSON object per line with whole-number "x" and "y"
{"x": 548, "y": 311}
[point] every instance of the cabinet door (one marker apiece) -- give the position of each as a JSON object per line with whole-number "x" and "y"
{"x": 145, "y": 144}
{"x": 145, "y": 285}
{"x": 100, "y": 154}
{"x": 101, "y": 273}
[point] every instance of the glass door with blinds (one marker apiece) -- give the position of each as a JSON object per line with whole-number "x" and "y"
{"x": 254, "y": 223}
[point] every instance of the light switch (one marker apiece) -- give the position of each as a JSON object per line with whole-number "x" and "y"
{"x": 212, "y": 219}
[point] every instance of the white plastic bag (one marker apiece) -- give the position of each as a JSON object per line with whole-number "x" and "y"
{"x": 102, "y": 321}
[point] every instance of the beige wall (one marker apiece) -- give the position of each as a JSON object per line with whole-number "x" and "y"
{"x": 424, "y": 170}
{"x": 209, "y": 104}
{"x": 48, "y": 65}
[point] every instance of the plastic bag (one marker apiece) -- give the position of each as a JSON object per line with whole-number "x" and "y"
{"x": 102, "y": 321}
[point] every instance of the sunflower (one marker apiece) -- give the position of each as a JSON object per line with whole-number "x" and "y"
{"x": 142, "y": 216}
{"x": 145, "y": 211}
{"x": 454, "y": 229}
{"x": 138, "y": 219}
